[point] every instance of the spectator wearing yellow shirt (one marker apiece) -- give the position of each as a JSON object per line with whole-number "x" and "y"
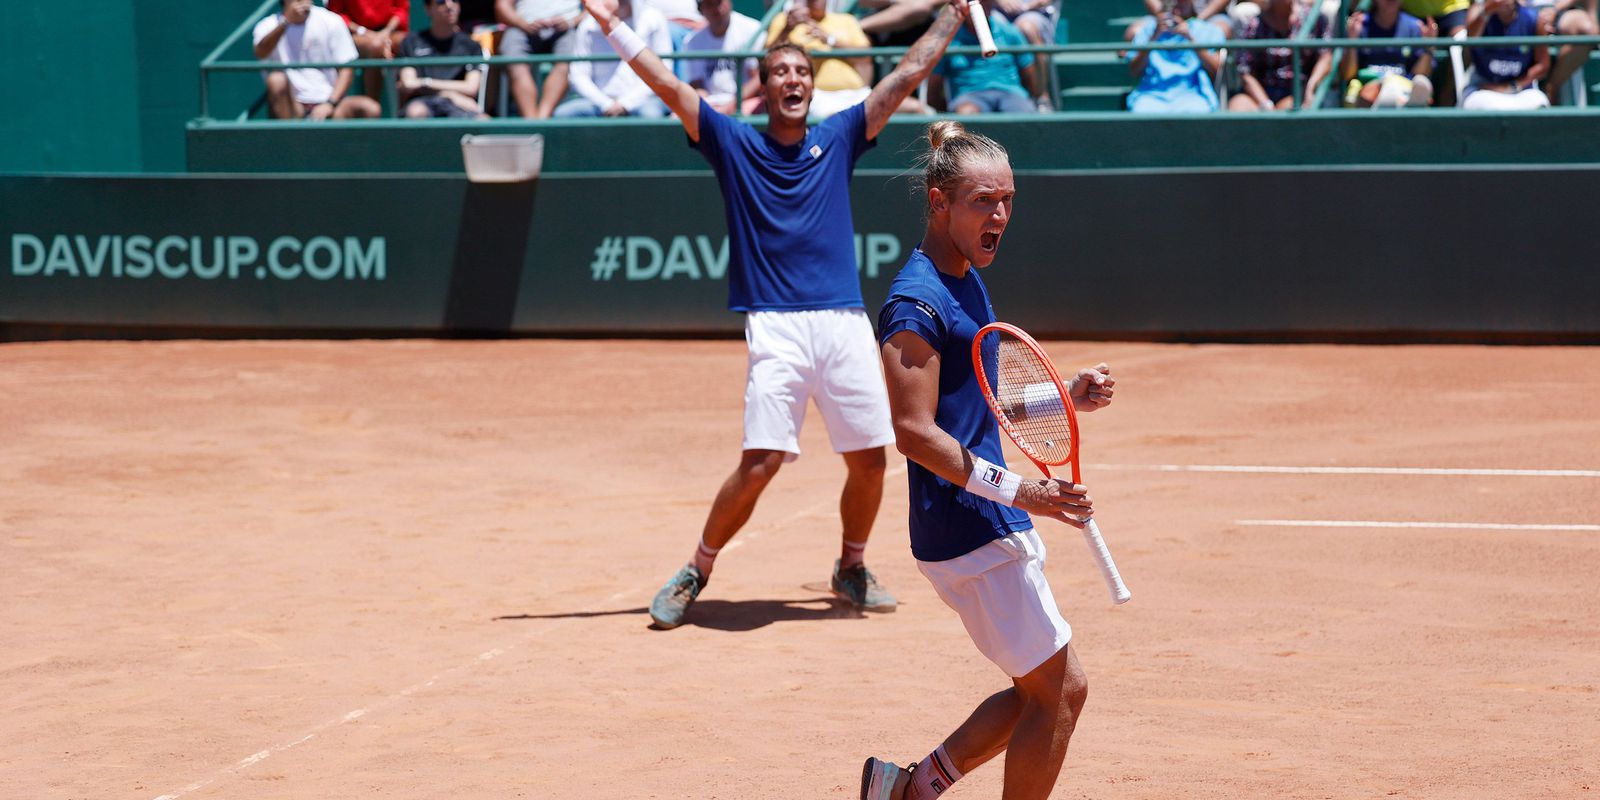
{"x": 1450, "y": 15}
{"x": 840, "y": 83}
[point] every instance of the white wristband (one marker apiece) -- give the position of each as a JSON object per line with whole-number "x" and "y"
{"x": 625, "y": 41}
{"x": 993, "y": 482}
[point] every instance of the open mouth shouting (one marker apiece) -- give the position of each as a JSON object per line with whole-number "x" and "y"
{"x": 793, "y": 100}
{"x": 989, "y": 240}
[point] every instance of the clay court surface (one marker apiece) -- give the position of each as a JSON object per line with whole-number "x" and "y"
{"x": 418, "y": 569}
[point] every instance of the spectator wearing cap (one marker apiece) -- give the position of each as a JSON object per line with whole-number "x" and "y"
{"x": 446, "y": 90}
{"x": 1505, "y": 78}
{"x": 1174, "y": 81}
{"x": 378, "y": 27}
{"x": 976, "y": 85}
{"x": 304, "y": 33}
{"x": 1267, "y": 77}
{"x": 1378, "y": 75}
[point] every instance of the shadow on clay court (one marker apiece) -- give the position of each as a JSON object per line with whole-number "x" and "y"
{"x": 730, "y": 615}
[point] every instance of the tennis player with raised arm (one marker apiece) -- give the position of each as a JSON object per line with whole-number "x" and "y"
{"x": 970, "y": 527}
{"x": 792, "y": 272}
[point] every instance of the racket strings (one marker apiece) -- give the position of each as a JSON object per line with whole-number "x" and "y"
{"x": 1028, "y": 397}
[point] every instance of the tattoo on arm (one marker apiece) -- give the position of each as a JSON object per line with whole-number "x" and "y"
{"x": 913, "y": 69}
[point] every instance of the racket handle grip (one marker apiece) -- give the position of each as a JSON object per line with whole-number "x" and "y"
{"x": 980, "y": 26}
{"x": 1102, "y": 559}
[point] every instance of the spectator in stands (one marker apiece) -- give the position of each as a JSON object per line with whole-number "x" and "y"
{"x": 445, "y": 90}
{"x": 683, "y": 18}
{"x": 1377, "y": 76}
{"x": 900, "y": 22}
{"x": 976, "y": 84}
{"x": 532, "y": 29}
{"x": 1505, "y": 78}
{"x": 610, "y": 88}
{"x": 305, "y": 33}
{"x": 896, "y": 23}
{"x": 1211, "y": 12}
{"x": 840, "y": 83}
{"x": 1267, "y": 77}
{"x": 723, "y": 82}
{"x": 378, "y": 27}
{"x": 1037, "y": 20}
{"x": 1448, "y": 16}
{"x": 1174, "y": 81}
{"x": 1568, "y": 18}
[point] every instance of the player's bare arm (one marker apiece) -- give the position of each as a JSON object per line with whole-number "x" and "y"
{"x": 679, "y": 96}
{"x": 911, "y": 371}
{"x": 914, "y": 68}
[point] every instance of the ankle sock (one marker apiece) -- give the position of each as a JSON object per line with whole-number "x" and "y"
{"x": 853, "y": 553}
{"x": 704, "y": 558}
{"x": 934, "y": 776}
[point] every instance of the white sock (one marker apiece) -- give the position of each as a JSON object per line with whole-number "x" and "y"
{"x": 704, "y": 558}
{"x": 853, "y": 553}
{"x": 934, "y": 776}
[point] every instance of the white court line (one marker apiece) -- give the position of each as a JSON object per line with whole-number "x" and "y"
{"x": 1351, "y": 523}
{"x": 1516, "y": 473}
{"x": 489, "y": 655}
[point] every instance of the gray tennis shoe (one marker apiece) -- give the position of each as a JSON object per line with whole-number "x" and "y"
{"x": 858, "y": 585}
{"x": 674, "y": 599}
{"x": 882, "y": 780}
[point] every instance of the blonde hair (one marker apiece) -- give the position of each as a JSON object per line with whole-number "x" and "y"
{"x": 951, "y": 147}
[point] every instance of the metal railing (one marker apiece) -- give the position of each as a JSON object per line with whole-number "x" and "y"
{"x": 213, "y": 64}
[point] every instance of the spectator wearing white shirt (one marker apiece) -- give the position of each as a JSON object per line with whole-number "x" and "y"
{"x": 305, "y": 33}
{"x": 723, "y": 82}
{"x": 610, "y": 88}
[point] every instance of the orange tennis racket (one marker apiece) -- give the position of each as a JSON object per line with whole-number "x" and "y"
{"x": 1033, "y": 408}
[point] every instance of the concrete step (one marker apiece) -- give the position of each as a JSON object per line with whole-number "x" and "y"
{"x": 1093, "y": 98}
{"x": 1089, "y": 69}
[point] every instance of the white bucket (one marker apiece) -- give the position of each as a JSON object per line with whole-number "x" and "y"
{"x": 502, "y": 158}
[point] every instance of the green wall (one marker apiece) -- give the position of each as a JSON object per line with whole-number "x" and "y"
{"x": 106, "y": 85}
{"x": 1093, "y": 255}
{"x": 1080, "y": 142}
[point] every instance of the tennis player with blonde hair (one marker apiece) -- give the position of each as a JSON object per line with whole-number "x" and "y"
{"x": 973, "y": 538}
{"x": 792, "y": 272}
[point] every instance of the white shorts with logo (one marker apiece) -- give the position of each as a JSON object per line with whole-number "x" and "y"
{"x": 829, "y": 355}
{"x": 1000, "y": 592}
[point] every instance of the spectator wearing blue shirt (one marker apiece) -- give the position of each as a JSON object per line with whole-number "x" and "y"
{"x": 1505, "y": 78}
{"x": 975, "y": 84}
{"x": 1388, "y": 76}
{"x": 1174, "y": 81}
{"x": 792, "y": 272}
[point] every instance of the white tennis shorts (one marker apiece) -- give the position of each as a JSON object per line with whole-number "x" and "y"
{"x": 1000, "y": 592}
{"x": 829, "y": 355}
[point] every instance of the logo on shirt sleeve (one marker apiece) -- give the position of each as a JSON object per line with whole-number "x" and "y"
{"x": 927, "y": 309}
{"x": 816, "y": 151}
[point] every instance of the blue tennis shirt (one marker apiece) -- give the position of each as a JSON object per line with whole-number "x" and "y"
{"x": 791, "y": 244}
{"x": 947, "y": 521}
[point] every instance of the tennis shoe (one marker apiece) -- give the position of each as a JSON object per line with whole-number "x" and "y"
{"x": 858, "y": 585}
{"x": 882, "y": 780}
{"x": 674, "y": 599}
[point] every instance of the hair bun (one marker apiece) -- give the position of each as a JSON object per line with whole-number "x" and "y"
{"x": 943, "y": 130}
